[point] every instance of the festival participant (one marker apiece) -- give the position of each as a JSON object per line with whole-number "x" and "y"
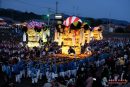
{"x": 28, "y": 68}
{"x": 34, "y": 75}
{"x": 97, "y": 63}
{"x": 7, "y": 69}
{"x": 61, "y": 70}
{"x": 89, "y": 81}
{"x": 71, "y": 65}
{"x": 65, "y": 68}
{"x": 88, "y": 50}
{"x": 42, "y": 70}
{"x": 22, "y": 68}
{"x": 104, "y": 82}
{"x": 47, "y": 71}
{"x": 74, "y": 68}
{"x": 16, "y": 71}
{"x": 71, "y": 50}
{"x": 37, "y": 68}
{"x": 54, "y": 70}
{"x": 68, "y": 69}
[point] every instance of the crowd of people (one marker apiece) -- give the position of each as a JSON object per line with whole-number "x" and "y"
{"x": 110, "y": 60}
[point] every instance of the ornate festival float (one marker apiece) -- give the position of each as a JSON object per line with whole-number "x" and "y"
{"x": 74, "y": 34}
{"x": 35, "y": 33}
{"x": 96, "y": 33}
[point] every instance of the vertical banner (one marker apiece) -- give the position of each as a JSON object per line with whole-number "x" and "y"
{"x": 24, "y": 37}
{"x": 91, "y": 35}
{"x": 36, "y": 36}
{"x": 55, "y": 38}
{"x": 101, "y": 37}
{"x": 73, "y": 38}
{"x": 44, "y": 36}
{"x": 48, "y": 32}
{"x": 83, "y": 36}
{"x": 60, "y": 39}
{"x": 88, "y": 37}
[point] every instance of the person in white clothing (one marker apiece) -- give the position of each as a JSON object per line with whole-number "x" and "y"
{"x": 104, "y": 82}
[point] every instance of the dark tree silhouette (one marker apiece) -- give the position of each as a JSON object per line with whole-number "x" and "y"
{"x": 119, "y": 30}
{"x": 17, "y": 15}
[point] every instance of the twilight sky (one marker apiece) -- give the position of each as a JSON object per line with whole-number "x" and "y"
{"x": 115, "y": 9}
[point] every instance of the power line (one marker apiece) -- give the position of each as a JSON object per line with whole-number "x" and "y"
{"x": 56, "y": 6}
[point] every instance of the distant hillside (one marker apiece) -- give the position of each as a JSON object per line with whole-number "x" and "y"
{"x": 18, "y": 15}
{"x": 114, "y": 21}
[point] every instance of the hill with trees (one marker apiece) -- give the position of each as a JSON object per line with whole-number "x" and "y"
{"x": 18, "y": 15}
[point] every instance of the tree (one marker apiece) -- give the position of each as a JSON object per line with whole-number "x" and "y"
{"x": 92, "y": 21}
{"x": 17, "y": 15}
{"x": 98, "y": 22}
{"x": 119, "y": 30}
{"x": 127, "y": 30}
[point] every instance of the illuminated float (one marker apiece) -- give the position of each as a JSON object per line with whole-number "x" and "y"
{"x": 96, "y": 33}
{"x": 35, "y": 32}
{"x": 72, "y": 36}
{"x": 87, "y": 33}
{"x": 75, "y": 34}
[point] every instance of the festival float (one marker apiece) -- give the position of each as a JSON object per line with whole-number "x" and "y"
{"x": 96, "y": 33}
{"x": 75, "y": 33}
{"x": 35, "y": 32}
{"x": 72, "y": 35}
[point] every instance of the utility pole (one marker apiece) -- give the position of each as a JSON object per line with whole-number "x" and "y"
{"x": 73, "y": 10}
{"x": 77, "y": 11}
{"x": 0, "y": 3}
{"x": 48, "y": 15}
{"x": 109, "y": 20}
{"x": 56, "y": 6}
